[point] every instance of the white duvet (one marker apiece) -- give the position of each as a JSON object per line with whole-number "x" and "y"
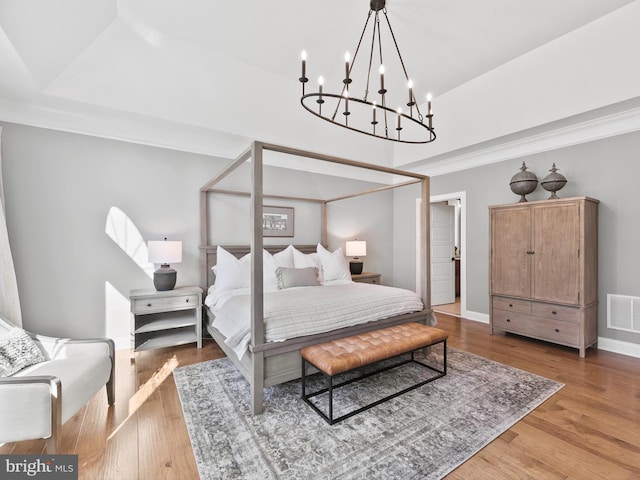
{"x": 295, "y": 312}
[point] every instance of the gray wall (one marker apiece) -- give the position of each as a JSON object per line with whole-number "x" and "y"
{"x": 607, "y": 170}
{"x": 74, "y": 279}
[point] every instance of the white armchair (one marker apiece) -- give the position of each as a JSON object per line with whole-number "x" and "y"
{"x": 37, "y": 400}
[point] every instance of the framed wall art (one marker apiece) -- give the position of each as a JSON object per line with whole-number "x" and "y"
{"x": 277, "y": 221}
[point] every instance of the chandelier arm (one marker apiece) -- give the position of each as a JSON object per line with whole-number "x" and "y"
{"x": 345, "y": 86}
{"x": 379, "y": 38}
{"x": 373, "y": 41}
{"x": 406, "y": 76}
{"x": 360, "y": 40}
{"x": 384, "y": 101}
{"x": 404, "y": 69}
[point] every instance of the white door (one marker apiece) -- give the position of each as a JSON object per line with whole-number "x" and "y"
{"x": 442, "y": 251}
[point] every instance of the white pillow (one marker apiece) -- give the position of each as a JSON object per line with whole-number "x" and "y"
{"x": 231, "y": 272}
{"x": 270, "y": 263}
{"x": 334, "y": 264}
{"x": 284, "y": 258}
{"x": 17, "y": 351}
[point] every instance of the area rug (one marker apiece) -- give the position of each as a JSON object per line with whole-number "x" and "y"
{"x": 423, "y": 434}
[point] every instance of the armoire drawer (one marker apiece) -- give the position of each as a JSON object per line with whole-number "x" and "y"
{"x": 543, "y": 328}
{"x": 556, "y": 312}
{"x": 555, "y": 331}
{"x": 511, "y": 321}
{"x": 512, "y": 304}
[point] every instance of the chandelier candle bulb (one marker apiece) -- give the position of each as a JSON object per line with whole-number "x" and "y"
{"x": 374, "y": 113}
{"x": 303, "y": 56}
{"x": 429, "y": 112}
{"x": 382, "y": 91}
{"x": 410, "y": 85}
{"x": 399, "y": 116}
{"x": 346, "y": 68}
{"x": 320, "y": 83}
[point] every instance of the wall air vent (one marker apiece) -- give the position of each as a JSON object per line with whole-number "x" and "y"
{"x": 623, "y": 313}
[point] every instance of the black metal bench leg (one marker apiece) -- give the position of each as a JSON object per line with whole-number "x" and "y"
{"x": 444, "y": 370}
{"x": 330, "y": 400}
{"x": 304, "y": 368}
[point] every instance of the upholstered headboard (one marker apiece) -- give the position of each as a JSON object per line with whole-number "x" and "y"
{"x": 209, "y": 252}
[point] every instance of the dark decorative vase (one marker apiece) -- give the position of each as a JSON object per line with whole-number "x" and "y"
{"x": 355, "y": 267}
{"x": 523, "y": 183}
{"x": 164, "y": 278}
{"x": 553, "y": 182}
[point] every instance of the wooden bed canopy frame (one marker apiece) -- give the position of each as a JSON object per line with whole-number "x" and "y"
{"x": 270, "y": 363}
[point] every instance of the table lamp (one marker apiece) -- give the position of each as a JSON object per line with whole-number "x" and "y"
{"x": 356, "y": 249}
{"x": 164, "y": 253}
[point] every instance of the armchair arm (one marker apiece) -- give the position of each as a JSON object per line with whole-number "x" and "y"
{"x": 66, "y": 348}
{"x": 31, "y": 407}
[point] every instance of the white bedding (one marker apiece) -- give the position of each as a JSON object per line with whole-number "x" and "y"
{"x": 296, "y": 312}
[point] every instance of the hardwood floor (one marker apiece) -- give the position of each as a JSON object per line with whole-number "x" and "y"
{"x": 590, "y": 429}
{"x": 452, "y": 309}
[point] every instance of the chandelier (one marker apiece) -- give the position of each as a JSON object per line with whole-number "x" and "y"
{"x": 372, "y": 116}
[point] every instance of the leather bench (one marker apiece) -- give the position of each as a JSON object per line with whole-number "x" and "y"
{"x": 345, "y": 354}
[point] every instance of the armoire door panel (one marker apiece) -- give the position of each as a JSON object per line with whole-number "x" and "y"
{"x": 556, "y": 244}
{"x": 510, "y": 260}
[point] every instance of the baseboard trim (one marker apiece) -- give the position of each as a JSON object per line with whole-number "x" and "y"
{"x": 476, "y": 316}
{"x": 618, "y": 346}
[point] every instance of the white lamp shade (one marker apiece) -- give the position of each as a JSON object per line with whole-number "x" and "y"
{"x": 164, "y": 251}
{"x": 356, "y": 248}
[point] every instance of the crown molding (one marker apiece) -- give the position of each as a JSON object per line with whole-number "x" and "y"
{"x": 140, "y": 129}
{"x": 126, "y": 127}
{"x": 580, "y": 132}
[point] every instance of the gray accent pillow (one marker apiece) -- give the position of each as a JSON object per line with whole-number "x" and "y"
{"x": 17, "y": 351}
{"x": 296, "y": 277}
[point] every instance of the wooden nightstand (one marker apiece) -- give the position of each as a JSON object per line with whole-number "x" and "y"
{"x": 164, "y": 319}
{"x": 366, "y": 277}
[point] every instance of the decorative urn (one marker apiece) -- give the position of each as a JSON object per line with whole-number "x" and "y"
{"x": 523, "y": 182}
{"x": 553, "y": 182}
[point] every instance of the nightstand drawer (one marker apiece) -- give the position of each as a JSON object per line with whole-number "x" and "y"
{"x": 375, "y": 280}
{"x": 179, "y": 302}
{"x": 366, "y": 277}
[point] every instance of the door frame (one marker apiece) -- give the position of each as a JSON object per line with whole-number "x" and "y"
{"x": 462, "y": 196}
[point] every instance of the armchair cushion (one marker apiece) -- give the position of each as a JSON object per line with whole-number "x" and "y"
{"x": 17, "y": 351}
{"x": 81, "y": 378}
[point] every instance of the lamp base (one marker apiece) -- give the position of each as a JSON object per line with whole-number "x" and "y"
{"x": 164, "y": 278}
{"x": 355, "y": 267}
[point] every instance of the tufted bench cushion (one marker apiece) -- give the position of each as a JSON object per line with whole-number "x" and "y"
{"x": 344, "y": 354}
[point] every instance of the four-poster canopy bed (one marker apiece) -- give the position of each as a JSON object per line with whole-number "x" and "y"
{"x": 268, "y": 363}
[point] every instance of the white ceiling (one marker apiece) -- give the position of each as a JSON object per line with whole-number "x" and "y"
{"x": 209, "y": 76}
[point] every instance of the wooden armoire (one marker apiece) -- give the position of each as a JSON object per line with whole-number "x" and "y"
{"x": 544, "y": 270}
